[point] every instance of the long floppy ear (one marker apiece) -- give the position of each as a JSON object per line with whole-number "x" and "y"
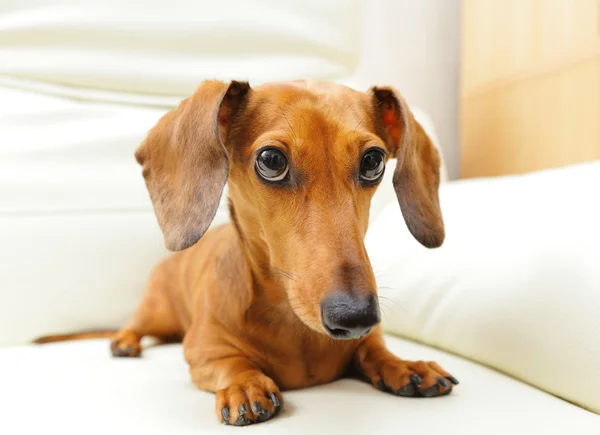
{"x": 185, "y": 161}
{"x": 417, "y": 175}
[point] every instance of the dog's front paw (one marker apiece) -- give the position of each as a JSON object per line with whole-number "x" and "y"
{"x": 253, "y": 400}
{"x": 412, "y": 378}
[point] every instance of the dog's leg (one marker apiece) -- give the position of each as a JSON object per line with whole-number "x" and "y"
{"x": 394, "y": 375}
{"x": 154, "y": 317}
{"x": 244, "y": 394}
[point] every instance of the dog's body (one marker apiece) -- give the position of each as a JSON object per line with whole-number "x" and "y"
{"x": 283, "y": 297}
{"x": 212, "y": 292}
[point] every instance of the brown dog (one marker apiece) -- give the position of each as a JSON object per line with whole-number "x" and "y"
{"x": 283, "y": 297}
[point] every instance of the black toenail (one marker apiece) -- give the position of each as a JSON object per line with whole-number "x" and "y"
{"x": 242, "y": 409}
{"x": 443, "y": 382}
{"x": 453, "y": 380}
{"x": 275, "y": 400}
{"x": 225, "y": 413}
{"x": 264, "y": 415}
{"x": 242, "y": 421}
{"x": 406, "y": 391}
{"x": 256, "y": 408}
{"x": 430, "y": 392}
{"x": 416, "y": 379}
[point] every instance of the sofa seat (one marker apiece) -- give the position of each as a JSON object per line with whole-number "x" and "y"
{"x": 75, "y": 388}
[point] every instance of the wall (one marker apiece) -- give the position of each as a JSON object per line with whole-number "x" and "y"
{"x": 426, "y": 61}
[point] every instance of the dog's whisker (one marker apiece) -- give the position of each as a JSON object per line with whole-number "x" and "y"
{"x": 284, "y": 273}
{"x": 273, "y": 270}
{"x": 385, "y": 298}
{"x": 384, "y": 314}
{"x": 398, "y": 305}
{"x": 378, "y": 273}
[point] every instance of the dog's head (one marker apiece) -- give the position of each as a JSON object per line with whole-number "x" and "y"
{"x": 302, "y": 162}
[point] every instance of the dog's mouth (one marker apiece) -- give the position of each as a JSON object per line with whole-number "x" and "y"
{"x": 346, "y": 334}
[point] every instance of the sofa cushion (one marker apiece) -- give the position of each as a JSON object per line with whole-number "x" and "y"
{"x": 516, "y": 284}
{"x": 75, "y": 388}
{"x": 147, "y": 50}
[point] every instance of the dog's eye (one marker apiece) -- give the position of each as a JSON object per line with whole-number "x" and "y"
{"x": 272, "y": 164}
{"x": 372, "y": 165}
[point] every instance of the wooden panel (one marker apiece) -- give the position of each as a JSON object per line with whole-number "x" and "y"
{"x": 566, "y": 27}
{"x": 544, "y": 121}
{"x": 502, "y": 38}
{"x": 495, "y": 39}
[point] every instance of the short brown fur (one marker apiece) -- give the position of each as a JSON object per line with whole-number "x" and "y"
{"x": 246, "y": 296}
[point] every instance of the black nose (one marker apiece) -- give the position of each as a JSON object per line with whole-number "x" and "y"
{"x": 349, "y": 315}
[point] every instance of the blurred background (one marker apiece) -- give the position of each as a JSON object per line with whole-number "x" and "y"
{"x": 494, "y": 75}
{"x": 530, "y": 85}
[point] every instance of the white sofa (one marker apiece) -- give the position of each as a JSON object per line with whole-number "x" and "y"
{"x": 76, "y": 388}
{"x": 80, "y": 84}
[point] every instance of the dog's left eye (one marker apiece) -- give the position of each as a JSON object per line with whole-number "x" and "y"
{"x": 372, "y": 166}
{"x": 272, "y": 165}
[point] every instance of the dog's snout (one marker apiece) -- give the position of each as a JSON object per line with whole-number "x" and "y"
{"x": 348, "y": 315}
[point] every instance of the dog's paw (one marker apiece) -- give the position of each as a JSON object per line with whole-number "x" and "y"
{"x": 413, "y": 378}
{"x": 253, "y": 401}
{"x": 126, "y": 344}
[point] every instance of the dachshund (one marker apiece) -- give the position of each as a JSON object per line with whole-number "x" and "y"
{"x": 284, "y": 296}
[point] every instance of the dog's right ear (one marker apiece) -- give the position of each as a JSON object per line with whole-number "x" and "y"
{"x": 186, "y": 163}
{"x": 417, "y": 175}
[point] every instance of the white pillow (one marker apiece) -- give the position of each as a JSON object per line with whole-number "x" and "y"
{"x": 155, "y": 52}
{"x": 516, "y": 284}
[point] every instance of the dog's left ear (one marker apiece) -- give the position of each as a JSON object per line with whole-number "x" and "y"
{"x": 417, "y": 175}
{"x": 185, "y": 160}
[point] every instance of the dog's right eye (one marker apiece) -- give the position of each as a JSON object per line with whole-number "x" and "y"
{"x": 272, "y": 165}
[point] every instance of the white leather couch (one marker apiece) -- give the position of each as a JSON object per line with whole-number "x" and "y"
{"x": 514, "y": 290}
